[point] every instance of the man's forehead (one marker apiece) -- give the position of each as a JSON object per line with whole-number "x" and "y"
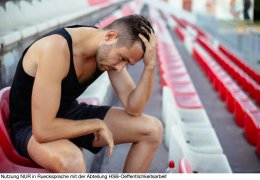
{"x": 136, "y": 51}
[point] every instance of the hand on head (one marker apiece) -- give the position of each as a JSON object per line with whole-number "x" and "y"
{"x": 150, "y": 48}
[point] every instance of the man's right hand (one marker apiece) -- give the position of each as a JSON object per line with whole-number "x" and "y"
{"x": 150, "y": 52}
{"x": 105, "y": 134}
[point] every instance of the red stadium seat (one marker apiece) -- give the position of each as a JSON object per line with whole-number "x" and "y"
{"x": 188, "y": 101}
{"x": 127, "y": 10}
{"x": 5, "y": 141}
{"x": 187, "y": 88}
{"x": 258, "y": 144}
{"x": 180, "y": 33}
{"x": 230, "y": 101}
{"x": 181, "y": 22}
{"x": 242, "y": 106}
{"x": 7, "y": 166}
{"x": 96, "y": 2}
{"x": 252, "y": 127}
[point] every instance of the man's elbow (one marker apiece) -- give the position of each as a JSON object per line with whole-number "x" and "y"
{"x": 133, "y": 112}
{"x": 40, "y": 135}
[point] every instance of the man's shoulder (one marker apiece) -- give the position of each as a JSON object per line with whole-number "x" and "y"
{"x": 52, "y": 45}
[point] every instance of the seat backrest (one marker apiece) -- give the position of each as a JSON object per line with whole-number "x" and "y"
{"x": 6, "y": 166}
{"x": 5, "y": 24}
{"x": 5, "y": 141}
{"x": 4, "y": 106}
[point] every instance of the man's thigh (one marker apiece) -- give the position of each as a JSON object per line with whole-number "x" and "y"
{"x": 127, "y": 128}
{"x": 49, "y": 155}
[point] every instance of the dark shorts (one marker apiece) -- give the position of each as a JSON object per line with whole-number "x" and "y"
{"x": 81, "y": 111}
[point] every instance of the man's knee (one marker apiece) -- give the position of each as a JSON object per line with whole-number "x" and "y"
{"x": 155, "y": 130}
{"x": 71, "y": 163}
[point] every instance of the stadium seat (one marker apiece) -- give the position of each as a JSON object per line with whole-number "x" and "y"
{"x": 197, "y": 139}
{"x": 199, "y": 162}
{"x": 184, "y": 166}
{"x": 98, "y": 91}
{"x": 243, "y": 105}
{"x": 18, "y": 21}
{"x": 258, "y": 144}
{"x": 187, "y": 88}
{"x": 8, "y": 62}
{"x": 95, "y": 2}
{"x": 8, "y": 35}
{"x": 230, "y": 101}
{"x": 180, "y": 33}
{"x": 30, "y": 12}
{"x": 173, "y": 116}
{"x": 252, "y": 127}
{"x": 190, "y": 117}
{"x": 5, "y": 141}
{"x": 7, "y": 166}
{"x": 43, "y": 15}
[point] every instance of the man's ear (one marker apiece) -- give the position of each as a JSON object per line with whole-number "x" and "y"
{"x": 111, "y": 36}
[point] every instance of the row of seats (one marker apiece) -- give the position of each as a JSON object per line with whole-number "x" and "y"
{"x": 246, "y": 113}
{"x": 24, "y": 19}
{"x": 126, "y": 10}
{"x": 98, "y": 93}
{"x": 188, "y": 131}
{"x": 236, "y": 67}
{"x": 225, "y": 94}
{"x": 244, "y": 104}
{"x": 243, "y": 79}
{"x": 241, "y": 63}
{"x": 185, "y": 24}
{"x": 235, "y": 59}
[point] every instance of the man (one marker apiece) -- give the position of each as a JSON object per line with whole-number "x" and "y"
{"x": 247, "y": 4}
{"x": 50, "y": 127}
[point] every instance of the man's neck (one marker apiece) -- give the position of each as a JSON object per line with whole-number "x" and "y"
{"x": 85, "y": 41}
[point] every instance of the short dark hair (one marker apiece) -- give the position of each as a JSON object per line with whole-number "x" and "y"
{"x": 129, "y": 27}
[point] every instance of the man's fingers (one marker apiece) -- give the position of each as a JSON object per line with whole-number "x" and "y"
{"x": 152, "y": 39}
{"x": 96, "y": 136}
{"x": 143, "y": 39}
{"x": 110, "y": 148}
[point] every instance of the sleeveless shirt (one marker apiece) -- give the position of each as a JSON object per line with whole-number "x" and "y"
{"x": 21, "y": 88}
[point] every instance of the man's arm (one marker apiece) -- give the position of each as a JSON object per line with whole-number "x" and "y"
{"x": 135, "y": 97}
{"x": 52, "y": 67}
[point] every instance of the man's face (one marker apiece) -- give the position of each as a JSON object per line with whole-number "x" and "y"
{"x": 112, "y": 57}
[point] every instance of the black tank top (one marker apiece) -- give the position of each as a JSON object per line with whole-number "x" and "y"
{"x": 21, "y": 89}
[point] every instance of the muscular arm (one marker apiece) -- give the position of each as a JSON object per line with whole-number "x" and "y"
{"x": 52, "y": 67}
{"x": 135, "y": 97}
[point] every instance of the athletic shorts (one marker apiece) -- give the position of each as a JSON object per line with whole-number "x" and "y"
{"x": 82, "y": 111}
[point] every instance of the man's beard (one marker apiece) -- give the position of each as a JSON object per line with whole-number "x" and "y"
{"x": 102, "y": 54}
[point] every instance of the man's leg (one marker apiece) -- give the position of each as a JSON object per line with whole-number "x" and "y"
{"x": 57, "y": 156}
{"x": 145, "y": 132}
